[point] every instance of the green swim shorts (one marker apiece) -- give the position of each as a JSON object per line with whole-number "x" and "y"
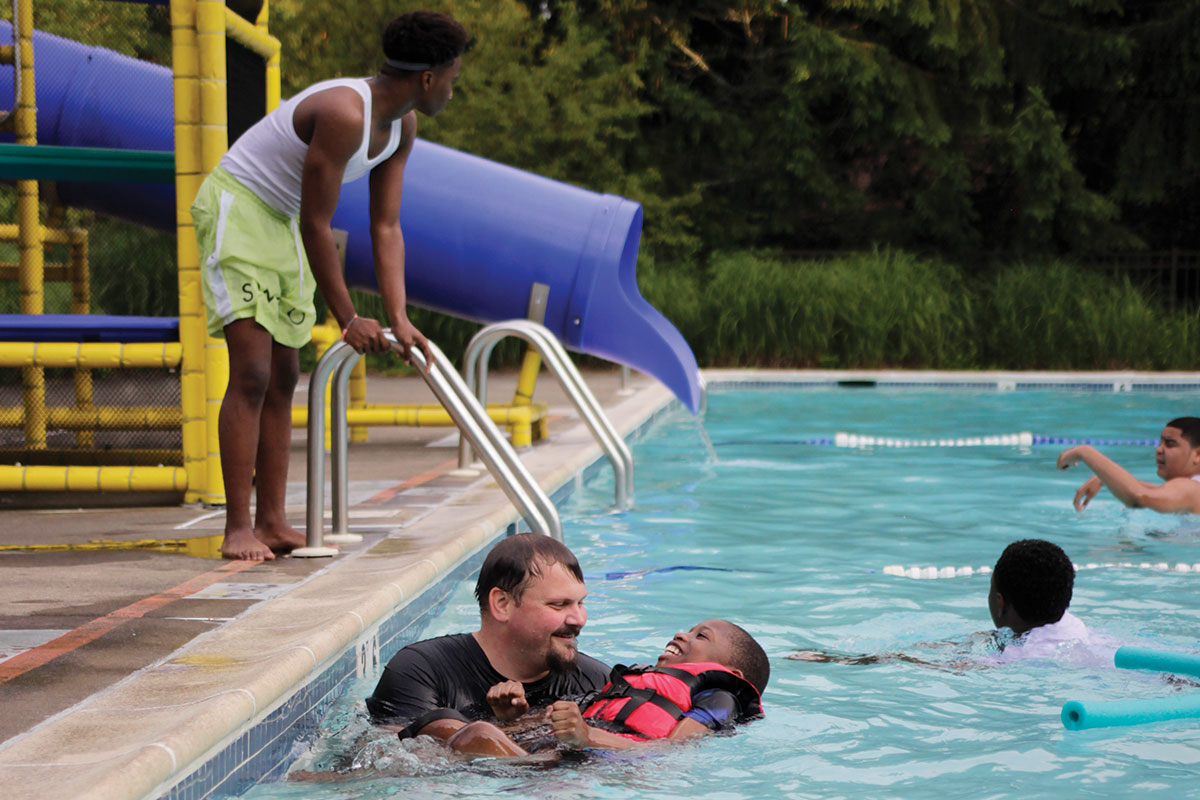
{"x": 252, "y": 262}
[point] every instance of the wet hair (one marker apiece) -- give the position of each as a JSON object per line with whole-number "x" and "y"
{"x": 1189, "y": 427}
{"x": 424, "y": 37}
{"x": 516, "y": 559}
{"x": 1036, "y": 577}
{"x": 747, "y": 655}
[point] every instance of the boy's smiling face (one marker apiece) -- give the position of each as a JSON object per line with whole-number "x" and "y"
{"x": 710, "y": 641}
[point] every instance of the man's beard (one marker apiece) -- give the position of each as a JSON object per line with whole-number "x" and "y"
{"x": 558, "y": 661}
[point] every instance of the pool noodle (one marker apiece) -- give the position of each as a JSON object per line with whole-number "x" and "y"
{"x": 1078, "y": 716}
{"x": 1159, "y": 660}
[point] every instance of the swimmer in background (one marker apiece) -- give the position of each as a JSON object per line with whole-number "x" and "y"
{"x": 1177, "y": 457}
{"x": 706, "y": 680}
{"x": 1028, "y": 597}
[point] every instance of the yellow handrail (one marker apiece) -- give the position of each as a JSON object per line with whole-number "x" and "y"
{"x": 93, "y": 355}
{"x": 92, "y": 479}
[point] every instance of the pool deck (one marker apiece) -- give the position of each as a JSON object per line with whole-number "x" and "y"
{"x": 124, "y": 666}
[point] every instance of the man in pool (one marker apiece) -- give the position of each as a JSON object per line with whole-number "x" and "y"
{"x": 706, "y": 680}
{"x": 530, "y": 592}
{"x": 1177, "y": 457}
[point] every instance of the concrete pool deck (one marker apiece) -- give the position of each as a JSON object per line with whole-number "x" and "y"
{"x": 125, "y": 666}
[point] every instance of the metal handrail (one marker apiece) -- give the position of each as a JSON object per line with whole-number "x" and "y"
{"x": 339, "y": 443}
{"x": 314, "y": 514}
{"x": 475, "y": 367}
{"x": 473, "y": 422}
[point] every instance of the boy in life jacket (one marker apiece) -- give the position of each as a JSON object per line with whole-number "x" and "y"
{"x": 707, "y": 679}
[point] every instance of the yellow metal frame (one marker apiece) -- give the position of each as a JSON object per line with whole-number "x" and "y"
{"x": 199, "y": 29}
{"x": 116, "y": 457}
{"x": 75, "y": 271}
{"x": 103, "y": 417}
{"x": 524, "y": 423}
{"x": 92, "y": 479}
{"x": 29, "y": 226}
{"x": 91, "y": 355}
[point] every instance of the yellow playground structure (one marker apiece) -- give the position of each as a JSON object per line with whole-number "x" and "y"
{"x": 74, "y": 411}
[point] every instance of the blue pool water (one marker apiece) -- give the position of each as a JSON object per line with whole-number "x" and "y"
{"x": 790, "y": 540}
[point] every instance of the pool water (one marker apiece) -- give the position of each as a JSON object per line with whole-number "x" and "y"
{"x": 743, "y": 521}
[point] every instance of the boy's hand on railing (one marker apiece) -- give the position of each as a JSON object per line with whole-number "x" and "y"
{"x": 365, "y": 335}
{"x": 407, "y": 337}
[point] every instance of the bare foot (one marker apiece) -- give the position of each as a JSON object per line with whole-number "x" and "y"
{"x": 242, "y": 544}
{"x": 280, "y": 539}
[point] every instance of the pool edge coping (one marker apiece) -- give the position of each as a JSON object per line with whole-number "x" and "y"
{"x": 1115, "y": 380}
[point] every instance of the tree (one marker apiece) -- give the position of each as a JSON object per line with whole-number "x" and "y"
{"x": 951, "y": 125}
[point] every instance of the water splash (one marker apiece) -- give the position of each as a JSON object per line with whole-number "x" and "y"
{"x": 709, "y": 450}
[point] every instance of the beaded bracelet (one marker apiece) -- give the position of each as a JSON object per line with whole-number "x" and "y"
{"x": 347, "y": 328}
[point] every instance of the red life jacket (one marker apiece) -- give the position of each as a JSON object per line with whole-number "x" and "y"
{"x": 643, "y": 702}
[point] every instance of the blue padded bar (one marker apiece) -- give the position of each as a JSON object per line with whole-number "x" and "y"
{"x": 87, "y": 328}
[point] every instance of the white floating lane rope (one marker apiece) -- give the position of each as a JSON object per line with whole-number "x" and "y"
{"x": 862, "y": 440}
{"x": 930, "y": 573}
{"x": 852, "y": 440}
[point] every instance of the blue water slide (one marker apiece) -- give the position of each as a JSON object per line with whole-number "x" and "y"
{"x": 478, "y": 234}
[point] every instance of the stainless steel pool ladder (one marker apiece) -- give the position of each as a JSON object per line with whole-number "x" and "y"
{"x": 471, "y": 418}
{"x": 475, "y": 367}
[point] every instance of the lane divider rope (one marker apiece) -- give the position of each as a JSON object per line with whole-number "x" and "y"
{"x": 931, "y": 573}
{"x": 1019, "y": 439}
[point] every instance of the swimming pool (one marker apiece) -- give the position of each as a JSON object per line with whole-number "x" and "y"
{"x": 790, "y": 539}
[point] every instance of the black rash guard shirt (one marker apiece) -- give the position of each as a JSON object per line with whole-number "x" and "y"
{"x": 449, "y": 677}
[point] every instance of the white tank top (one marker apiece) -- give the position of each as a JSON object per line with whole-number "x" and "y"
{"x": 269, "y": 157}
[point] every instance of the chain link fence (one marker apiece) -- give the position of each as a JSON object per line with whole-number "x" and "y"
{"x": 94, "y": 264}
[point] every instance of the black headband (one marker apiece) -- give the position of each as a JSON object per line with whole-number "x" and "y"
{"x": 407, "y": 65}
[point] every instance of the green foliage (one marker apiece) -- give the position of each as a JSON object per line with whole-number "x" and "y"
{"x": 1054, "y": 316}
{"x": 978, "y": 131}
{"x": 967, "y": 128}
{"x": 133, "y": 270}
{"x": 948, "y": 125}
{"x": 137, "y": 30}
{"x": 868, "y": 310}
{"x": 891, "y": 309}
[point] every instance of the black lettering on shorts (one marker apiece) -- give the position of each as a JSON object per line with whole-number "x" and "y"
{"x": 296, "y": 316}
{"x": 247, "y": 292}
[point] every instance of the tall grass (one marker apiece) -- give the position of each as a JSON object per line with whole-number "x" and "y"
{"x": 893, "y": 309}
{"x": 867, "y": 310}
{"x": 1055, "y": 316}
